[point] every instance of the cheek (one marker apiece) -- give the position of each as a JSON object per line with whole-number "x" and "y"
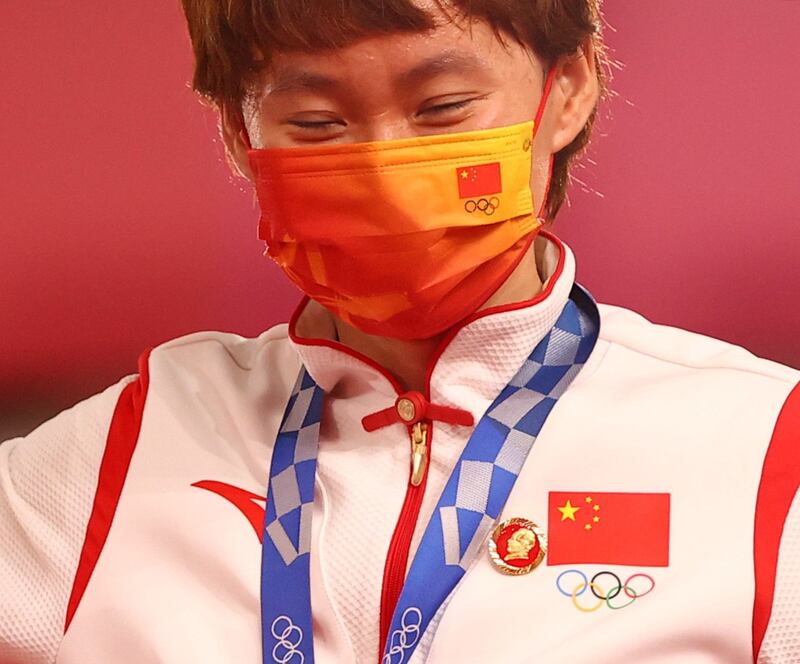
{"x": 254, "y": 122}
{"x": 540, "y": 174}
{"x": 519, "y": 95}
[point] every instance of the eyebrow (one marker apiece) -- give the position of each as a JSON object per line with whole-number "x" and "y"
{"x": 450, "y": 61}
{"x": 297, "y": 80}
{"x": 447, "y": 62}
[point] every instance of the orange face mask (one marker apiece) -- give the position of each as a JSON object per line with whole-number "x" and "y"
{"x": 401, "y": 238}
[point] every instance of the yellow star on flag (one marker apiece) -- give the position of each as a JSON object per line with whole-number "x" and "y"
{"x": 464, "y": 175}
{"x": 568, "y": 511}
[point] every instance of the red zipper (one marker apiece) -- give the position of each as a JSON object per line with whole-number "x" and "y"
{"x": 394, "y": 572}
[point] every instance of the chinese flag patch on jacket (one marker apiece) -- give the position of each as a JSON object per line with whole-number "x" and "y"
{"x": 608, "y": 528}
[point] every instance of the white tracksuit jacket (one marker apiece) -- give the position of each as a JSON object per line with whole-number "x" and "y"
{"x": 130, "y": 523}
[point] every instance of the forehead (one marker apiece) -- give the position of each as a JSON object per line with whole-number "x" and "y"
{"x": 462, "y": 46}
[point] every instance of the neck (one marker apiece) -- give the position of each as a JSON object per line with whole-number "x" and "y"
{"x": 409, "y": 360}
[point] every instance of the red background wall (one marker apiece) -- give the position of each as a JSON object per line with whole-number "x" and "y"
{"x": 121, "y": 227}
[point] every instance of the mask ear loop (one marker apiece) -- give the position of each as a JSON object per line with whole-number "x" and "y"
{"x": 548, "y": 85}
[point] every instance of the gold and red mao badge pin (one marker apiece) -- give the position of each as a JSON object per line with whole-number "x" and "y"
{"x": 517, "y": 546}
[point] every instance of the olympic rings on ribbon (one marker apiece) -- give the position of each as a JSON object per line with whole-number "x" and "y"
{"x": 470, "y": 206}
{"x": 603, "y": 596}
{"x": 289, "y": 636}
{"x": 404, "y": 638}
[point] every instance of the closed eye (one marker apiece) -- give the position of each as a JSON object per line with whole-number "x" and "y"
{"x": 314, "y": 124}
{"x": 443, "y": 108}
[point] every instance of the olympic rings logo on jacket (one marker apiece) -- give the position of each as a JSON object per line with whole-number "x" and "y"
{"x": 603, "y": 596}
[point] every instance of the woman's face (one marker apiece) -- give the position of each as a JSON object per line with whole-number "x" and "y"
{"x": 457, "y": 77}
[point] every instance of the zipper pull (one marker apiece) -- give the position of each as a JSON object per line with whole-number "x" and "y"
{"x": 419, "y": 452}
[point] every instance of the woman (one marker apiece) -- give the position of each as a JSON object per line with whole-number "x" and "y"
{"x": 464, "y": 458}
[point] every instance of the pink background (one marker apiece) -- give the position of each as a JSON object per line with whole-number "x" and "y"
{"x": 121, "y": 226}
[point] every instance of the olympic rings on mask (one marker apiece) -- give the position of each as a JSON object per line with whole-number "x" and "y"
{"x": 603, "y": 595}
{"x": 487, "y": 206}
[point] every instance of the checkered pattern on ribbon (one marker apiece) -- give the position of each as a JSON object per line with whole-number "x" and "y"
{"x": 472, "y": 500}
{"x": 290, "y": 497}
{"x": 285, "y": 556}
{"x": 484, "y": 476}
{"x": 486, "y": 472}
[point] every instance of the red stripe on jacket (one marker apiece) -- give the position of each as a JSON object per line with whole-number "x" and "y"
{"x": 123, "y": 433}
{"x": 780, "y": 478}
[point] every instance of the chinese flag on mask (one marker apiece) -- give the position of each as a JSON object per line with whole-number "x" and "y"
{"x": 608, "y": 528}
{"x": 479, "y": 180}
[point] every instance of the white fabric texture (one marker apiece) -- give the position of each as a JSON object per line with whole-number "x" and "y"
{"x": 781, "y": 643}
{"x": 47, "y": 486}
{"x": 476, "y": 365}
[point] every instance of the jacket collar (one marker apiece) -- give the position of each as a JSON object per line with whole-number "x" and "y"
{"x": 475, "y": 360}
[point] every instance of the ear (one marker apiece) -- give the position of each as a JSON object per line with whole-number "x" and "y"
{"x": 576, "y": 89}
{"x": 233, "y": 132}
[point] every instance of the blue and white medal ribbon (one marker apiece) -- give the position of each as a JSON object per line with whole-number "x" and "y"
{"x": 286, "y": 634}
{"x": 471, "y": 502}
